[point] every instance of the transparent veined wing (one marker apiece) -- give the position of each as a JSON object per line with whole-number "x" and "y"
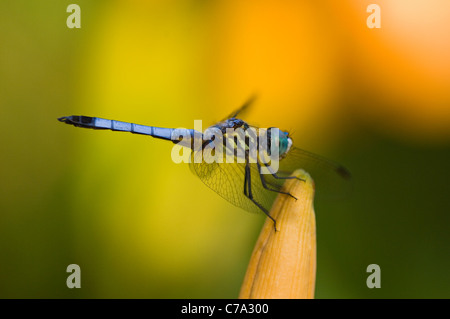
{"x": 228, "y": 179}
{"x": 332, "y": 180}
{"x": 244, "y": 107}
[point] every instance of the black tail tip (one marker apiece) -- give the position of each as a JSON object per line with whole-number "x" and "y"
{"x": 72, "y": 119}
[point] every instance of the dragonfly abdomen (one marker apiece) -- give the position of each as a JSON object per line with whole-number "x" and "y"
{"x": 98, "y": 123}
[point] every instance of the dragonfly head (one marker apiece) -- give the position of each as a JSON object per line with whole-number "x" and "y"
{"x": 283, "y": 139}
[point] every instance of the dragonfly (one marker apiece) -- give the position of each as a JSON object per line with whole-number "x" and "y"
{"x": 242, "y": 182}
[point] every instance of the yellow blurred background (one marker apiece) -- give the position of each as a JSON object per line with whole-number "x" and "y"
{"x": 140, "y": 226}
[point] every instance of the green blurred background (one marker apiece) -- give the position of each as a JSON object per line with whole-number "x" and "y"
{"x": 140, "y": 226}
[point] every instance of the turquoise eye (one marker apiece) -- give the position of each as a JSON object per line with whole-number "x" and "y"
{"x": 284, "y": 144}
{"x": 281, "y": 138}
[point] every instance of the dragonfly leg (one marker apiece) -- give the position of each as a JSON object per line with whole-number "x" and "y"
{"x": 263, "y": 181}
{"x": 248, "y": 193}
{"x": 245, "y": 182}
{"x": 282, "y": 177}
{"x": 287, "y": 177}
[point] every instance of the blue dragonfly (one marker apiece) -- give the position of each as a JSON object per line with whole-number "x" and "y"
{"x": 241, "y": 182}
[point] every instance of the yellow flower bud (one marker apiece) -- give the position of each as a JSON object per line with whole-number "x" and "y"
{"x": 283, "y": 263}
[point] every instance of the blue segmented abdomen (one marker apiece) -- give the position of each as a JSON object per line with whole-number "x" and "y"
{"x": 104, "y": 124}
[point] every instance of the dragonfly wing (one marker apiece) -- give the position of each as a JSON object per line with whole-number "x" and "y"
{"x": 242, "y": 108}
{"x": 227, "y": 180}
{"x": 332, "y": 180}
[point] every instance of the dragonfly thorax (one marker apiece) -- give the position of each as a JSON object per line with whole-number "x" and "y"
{"x": 237, "y": 136}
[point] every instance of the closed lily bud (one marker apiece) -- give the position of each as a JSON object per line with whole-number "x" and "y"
{"x": 283, "y": 263}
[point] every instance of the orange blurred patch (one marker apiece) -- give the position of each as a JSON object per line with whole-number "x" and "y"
{"x": 402, "y": 70}
{"x": 283, "y": 51}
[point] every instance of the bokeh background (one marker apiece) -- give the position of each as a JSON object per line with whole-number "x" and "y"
{"x": 140, "y": 226}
